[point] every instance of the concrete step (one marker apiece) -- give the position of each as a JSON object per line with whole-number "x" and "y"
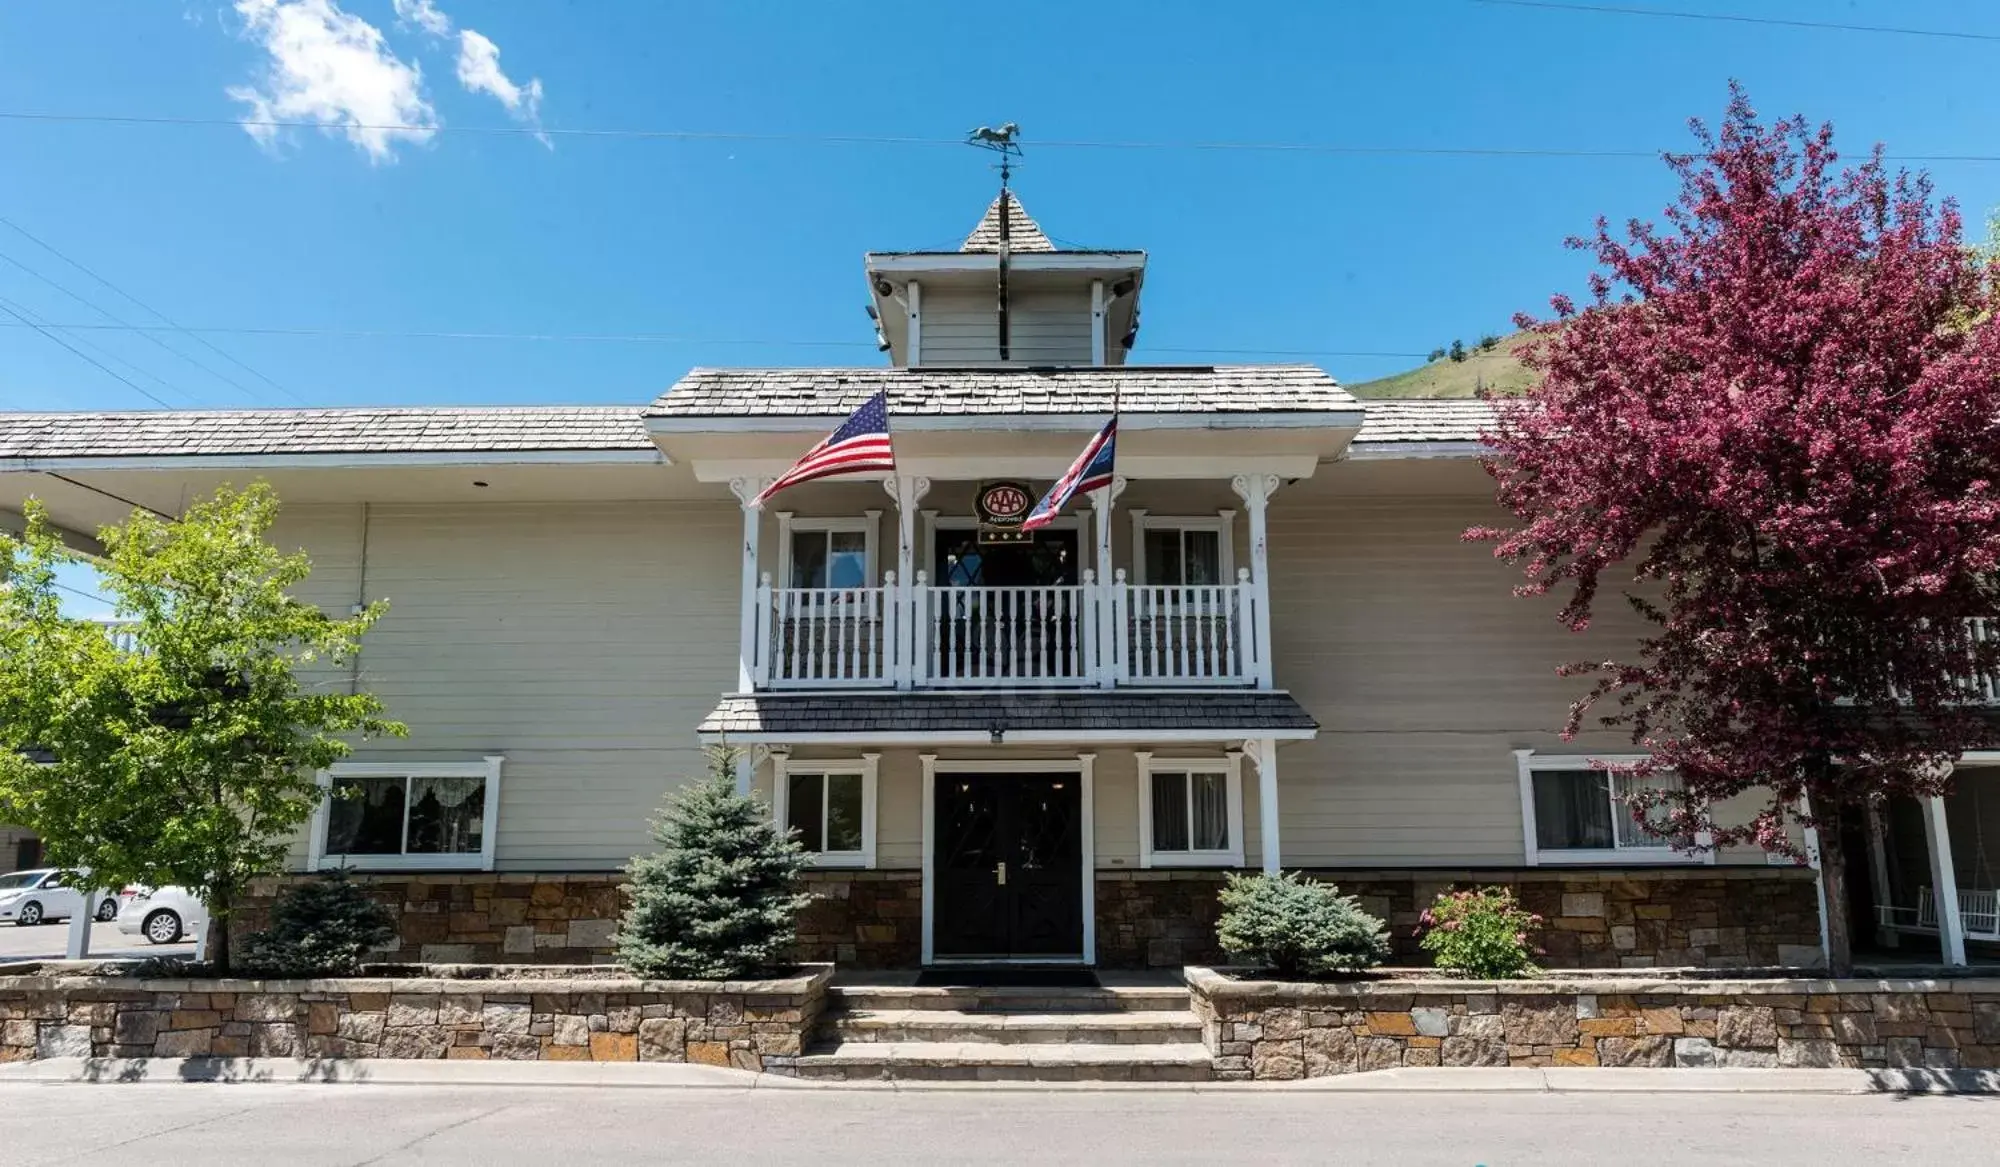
{"x": 1122, "y": 1027}
{"x": 933, "y": 1061}
{"x": 886, "y": 998}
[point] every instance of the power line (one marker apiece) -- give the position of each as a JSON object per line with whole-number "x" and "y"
{"x": 85, "y": 357}
{"x": 139, "y": 370}
{"x": 1620, "y": 10}
{"x": 146, "y": 333}
{"x": 651, "y": 338}
{"x": 1247, "y": 147}
{"x": 79, "y": 265}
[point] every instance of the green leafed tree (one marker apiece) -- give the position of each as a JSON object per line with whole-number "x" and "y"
{"x": 721, "y": 897}
{"x": 188, "y": 753}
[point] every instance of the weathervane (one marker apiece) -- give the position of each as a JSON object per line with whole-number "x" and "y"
{"x": 1003, "y": 141}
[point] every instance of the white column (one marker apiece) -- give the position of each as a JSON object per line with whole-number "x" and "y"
{"x": 1255, "y": 490}
{"x": 746, "y": 489}
{"x": 1267, "y": 804}
{"x": 1878, "y": 874}
{"x": 1110, "y": 638}
{"x": 1944, "y": 881}
{"x": 79, "y": 924}
{"x": 1819, "y": 883}
{"x": 746, "y": 772}
{"x": 908, "y": 491}
{"x": 1097, "y": 323}
{"x": 913, "y": 346}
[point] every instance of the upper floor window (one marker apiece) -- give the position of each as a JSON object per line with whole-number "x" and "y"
{"x": 831, "y": 807}
{"x": 1575, "y": 811}
{"x": 1183, "y": 552}
{"x": 399, "y": 815}
{"x": 1190, "y": 812}
{"x": 828, "y": 553}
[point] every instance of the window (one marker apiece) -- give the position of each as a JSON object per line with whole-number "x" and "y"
{"x": 27, "y": 853}
{"x": 1576, "y": 812}
{"x": 1183, "y": 552}
{"x": 428, "y": 816}
{"x": 832, "y": 807}
{"x": 828, "y": 553}
{"x": 1190, "y": 812}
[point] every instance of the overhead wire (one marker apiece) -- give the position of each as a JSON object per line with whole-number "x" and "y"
{"x": 1737, "y": 18}
{"x": 79, "y": 265}
{"x": 11, "y": 310}
{"x": 126, "y": 325}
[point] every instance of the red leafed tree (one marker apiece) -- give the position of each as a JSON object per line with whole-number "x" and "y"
{"x": 1776, "y": 428}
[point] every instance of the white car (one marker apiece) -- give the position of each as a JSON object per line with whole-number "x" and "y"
{"x": 43, "y": 895}
{"x": 162, "y": 915}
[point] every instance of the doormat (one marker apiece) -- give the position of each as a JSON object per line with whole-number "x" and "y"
{"x": 1007, "y": 978}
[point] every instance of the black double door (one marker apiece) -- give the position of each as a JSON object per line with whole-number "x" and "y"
{"x": 1008, "y": 867}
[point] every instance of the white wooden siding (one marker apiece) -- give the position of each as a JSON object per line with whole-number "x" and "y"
{"x": 1426, "y": 672}
{"x": 584, "y": 642}
{"x": 1043, "y": 328}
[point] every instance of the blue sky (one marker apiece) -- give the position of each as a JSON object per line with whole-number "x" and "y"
{"x": 746, "y": 247}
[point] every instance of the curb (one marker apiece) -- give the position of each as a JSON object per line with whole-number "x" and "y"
{"x": 677, "y": 1076}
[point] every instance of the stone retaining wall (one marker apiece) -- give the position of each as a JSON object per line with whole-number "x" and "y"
{"x": 864, "y": 919}
{"x": 1716, "y": 917}
{"x": 751, "y": 1025}
{"x": 1678, "y": 917}
{"x": 1263, "y": 1029}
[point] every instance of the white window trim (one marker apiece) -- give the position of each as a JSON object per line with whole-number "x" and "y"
{"x": 1232, "y": 768}
{"x": 488, "y": 768}
{"x": 1223, "y": 523}
{"x": 867, "y": 766}
{"x": 866, "y": 524}
{"x": 1528, "y": 761}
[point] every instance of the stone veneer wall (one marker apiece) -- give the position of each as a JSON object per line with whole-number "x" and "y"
{"x": 865, "y": 919}
{"x": 1718, "y": 917}
{"x": 1263, "y": 1029}
{"x": 751, "y": 1025}
{"x": 486, "y": 917}
{"x": 1634, "y": 918}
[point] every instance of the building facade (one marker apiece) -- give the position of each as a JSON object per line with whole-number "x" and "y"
{"x": 1266, "y": 646}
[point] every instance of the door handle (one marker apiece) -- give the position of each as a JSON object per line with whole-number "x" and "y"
{"x": 1001, "y": 871}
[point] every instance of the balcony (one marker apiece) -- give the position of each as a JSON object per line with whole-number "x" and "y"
{"x": 1085, "y": 635}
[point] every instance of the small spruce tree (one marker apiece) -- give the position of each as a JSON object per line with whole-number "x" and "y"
{"x": 322, "y": 927}
{"x": 721, "y": 897}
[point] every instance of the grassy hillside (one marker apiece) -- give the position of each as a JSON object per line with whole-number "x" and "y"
{"x": 1495, "y": 369}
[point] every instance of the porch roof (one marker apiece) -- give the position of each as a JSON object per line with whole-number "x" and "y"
{"x": 1133, "y": 389}
{"x": 1001, "y": 718}
{"x": 397, "y": 430}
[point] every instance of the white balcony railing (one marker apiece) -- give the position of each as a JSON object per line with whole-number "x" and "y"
{"x": 124, "y": 633}
{"x": 1049, "y": 636}
{"x": 1978, "y": 912}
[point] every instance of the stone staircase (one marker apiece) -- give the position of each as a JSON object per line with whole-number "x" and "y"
{"x": 1008, "y": 1035}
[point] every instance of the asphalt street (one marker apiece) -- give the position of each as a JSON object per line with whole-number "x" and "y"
{"x": 46, "y": 941}
{"x": 208, "y": 1125}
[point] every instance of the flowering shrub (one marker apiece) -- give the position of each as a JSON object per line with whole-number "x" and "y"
{"x": 1481, "y": 932}
{"x": 1297, "y": 927}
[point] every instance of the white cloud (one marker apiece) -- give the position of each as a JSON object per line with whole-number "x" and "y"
{"x": 330, "y": 67}
{"x": 425, "y": 15}
{"x": 479, "y": 71}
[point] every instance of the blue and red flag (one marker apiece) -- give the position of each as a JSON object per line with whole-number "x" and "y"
{"x": 1092, "y": 470}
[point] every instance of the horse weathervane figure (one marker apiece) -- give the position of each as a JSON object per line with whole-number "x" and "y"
{"x": 1004, "y": 141}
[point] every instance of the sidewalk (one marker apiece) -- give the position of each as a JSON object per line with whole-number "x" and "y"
{"x": 668, "y": 1075}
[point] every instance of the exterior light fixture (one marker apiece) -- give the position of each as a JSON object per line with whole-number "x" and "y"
{"x": 884, "y": 287}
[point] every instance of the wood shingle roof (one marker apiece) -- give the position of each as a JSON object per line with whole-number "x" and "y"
{"x": 321, "y": 431}
{"x": 1003, "y": 391}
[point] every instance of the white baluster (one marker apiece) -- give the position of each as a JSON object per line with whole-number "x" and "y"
{"x": 761, "y": 660}
{"x": 1181, "y": 645}
{"x": 1119, "y": 642}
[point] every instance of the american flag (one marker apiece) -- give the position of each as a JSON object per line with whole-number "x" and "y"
{"x": 1092, "y": 470}
{"x": 859, "y": 446}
